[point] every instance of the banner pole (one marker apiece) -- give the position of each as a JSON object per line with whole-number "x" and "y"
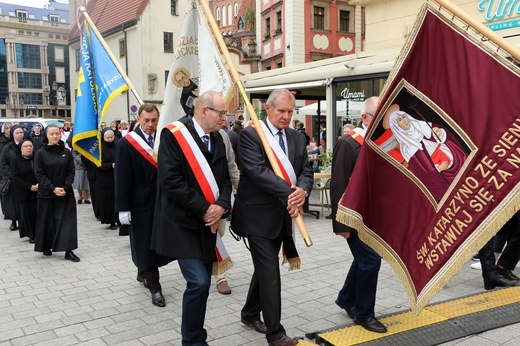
{"x": 234, "y": 74}
{"x": 112, "y": 57}
{"x": 481, "y": 28}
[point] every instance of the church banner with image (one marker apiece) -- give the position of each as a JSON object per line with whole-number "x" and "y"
{"x": 439, "y": 170}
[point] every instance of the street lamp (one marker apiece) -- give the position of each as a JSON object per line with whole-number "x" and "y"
{"x": 55, "y": 89}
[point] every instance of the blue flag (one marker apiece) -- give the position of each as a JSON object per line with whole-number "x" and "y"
{"x": 98, "y": 83}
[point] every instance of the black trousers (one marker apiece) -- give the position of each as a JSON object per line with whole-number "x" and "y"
{"x": 511, "y": 254}
{"x": 265, "y": 288}
{"x": 150, "y": 278}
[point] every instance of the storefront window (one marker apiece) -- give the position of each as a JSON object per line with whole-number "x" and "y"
{"x": 350, "y": 95}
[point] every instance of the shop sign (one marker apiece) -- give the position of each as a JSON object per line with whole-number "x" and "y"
{"x": 496, "y": 11}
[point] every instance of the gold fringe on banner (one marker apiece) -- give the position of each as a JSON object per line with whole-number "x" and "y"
{"x": 478, "y": 238}
{"x": 220, "y": 268}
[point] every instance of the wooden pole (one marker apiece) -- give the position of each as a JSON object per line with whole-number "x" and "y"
{"x": 109, "y": 52}
{"x": 236, "y": 78}
{"x": 481, "y": 28}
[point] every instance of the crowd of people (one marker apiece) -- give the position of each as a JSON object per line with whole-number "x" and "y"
{"x": 174, "y": 207}
{"x": 39, "y": 172}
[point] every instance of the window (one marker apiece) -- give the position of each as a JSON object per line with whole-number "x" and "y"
{"x": 37, "y": 34}
{"x": 28, "y": 56}
{"x": 168, "y": 42}
{"x": 122, "y": 48}
{"x": 59, "y": 54}
{"x": 58, "y": 36}
{"x": 230, "y": 15}
{"x": 28, "y": 80}
{"x": 173, "y": 7}
{"x": 166, "y": 74}
{"x": 51, "y": 36}
{"x": 267, "y": 22}
{"x": 218, "y": 16}
{"x": 224, "y": 21}
{"x": 344, "y": 21}
{"x": 21, "y": 14}
{"x": 236, "y": 9}
{"x": 54, "y": 18}
{"x": 279, "y": 21}
{"x": 319, "y": 17}
{"x": 77, "y": 59}
{"x": 31, "y": 98}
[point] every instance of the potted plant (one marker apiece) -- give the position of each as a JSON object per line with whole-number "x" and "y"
{"x": 267, "y": 35}
{"x": 278, "y": 31}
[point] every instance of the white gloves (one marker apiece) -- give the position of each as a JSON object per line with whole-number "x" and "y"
{"x": 125, "y": 217}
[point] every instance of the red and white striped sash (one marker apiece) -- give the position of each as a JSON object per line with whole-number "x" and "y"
{"x": 283, "y": 161}
{"x": 141, "y": 146}
{"x": 198, "y": 163}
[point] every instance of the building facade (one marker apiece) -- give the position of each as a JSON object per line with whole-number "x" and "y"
{"x": 34, "y": 61}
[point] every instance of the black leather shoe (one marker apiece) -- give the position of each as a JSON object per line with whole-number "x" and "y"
{"x": 371, "y": 324}
{"x": 258, "y": 325}
{"x": 350, "y": 310}
{"x": 158, "y": 300}
{"x": 70, "y": 256}
{"x": 283, "y": 341}
{"x": 507, "y": 274}
{"x": 47, "y": 252}
{"x": 500, "y": 282}
{"x": 31, "y": 240}
{"x": 13, "y": 226}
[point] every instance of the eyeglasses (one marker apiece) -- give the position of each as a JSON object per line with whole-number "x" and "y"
{"x": 220, "y": 113}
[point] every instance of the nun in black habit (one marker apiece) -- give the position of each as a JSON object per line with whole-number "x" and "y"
{"x": 57, "y": 227}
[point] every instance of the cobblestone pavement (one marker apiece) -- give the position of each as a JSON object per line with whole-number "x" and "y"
{"x": 50, "y": 301}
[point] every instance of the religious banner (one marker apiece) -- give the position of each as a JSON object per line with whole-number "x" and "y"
{"x": 197, "y": 68}
{"x": 438, "y": 174}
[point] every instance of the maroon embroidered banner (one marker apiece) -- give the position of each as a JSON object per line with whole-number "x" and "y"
{"x": 439, "y": 169}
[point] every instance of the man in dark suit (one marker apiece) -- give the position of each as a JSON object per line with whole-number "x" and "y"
{"x": 358, "y": 295}
{"x": 264, "y": 208}
{"x": 136, "y": 185}
{"x": 188, "y": 210}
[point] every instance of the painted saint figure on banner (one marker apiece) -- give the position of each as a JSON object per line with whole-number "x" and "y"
{"x": 430, "y": 151}
{"x": 190, "y": 89}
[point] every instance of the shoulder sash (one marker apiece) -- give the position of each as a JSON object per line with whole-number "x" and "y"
{"x": 141, "y": 146}
{"x": 283, "y": 161}
{"x": 198, "y": 163}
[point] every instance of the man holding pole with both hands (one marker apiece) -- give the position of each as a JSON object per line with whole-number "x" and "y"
{"x": 265, "y": 207}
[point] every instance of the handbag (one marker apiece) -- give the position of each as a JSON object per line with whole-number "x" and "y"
{"x": 5, "y": 184}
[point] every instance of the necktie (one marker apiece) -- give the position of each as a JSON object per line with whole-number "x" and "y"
{"x": 205, "y": 140}
{"x": 280, "y": 141}
{"x": 150, "y": 141}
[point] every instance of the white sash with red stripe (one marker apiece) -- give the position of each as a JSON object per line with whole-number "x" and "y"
{"x": 283, "y": 161}
{"x": 141, "y": 146}
{"x": 207, "y": 183}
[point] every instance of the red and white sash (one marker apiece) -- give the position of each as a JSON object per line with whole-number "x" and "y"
{"x": 283, "y": 161}
{"x": 289, "y": 176}
{"x": 206, "y": 180}
{"x": 141, "y": 146}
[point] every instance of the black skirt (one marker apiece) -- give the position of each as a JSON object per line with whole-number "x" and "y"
{"x": 57, "y": 226}
{"x": 107, "y": 206}
{"x": 28, "y": 216}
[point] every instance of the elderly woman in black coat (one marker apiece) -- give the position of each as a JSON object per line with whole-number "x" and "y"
{"x": 9, "y": 153}
{"x": 105, "y": 179}
{"x": 57, "y": 227}
{"x": 25, "y": 186}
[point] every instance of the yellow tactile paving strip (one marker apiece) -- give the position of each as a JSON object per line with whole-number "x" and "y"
{"x": 430, "y": 315}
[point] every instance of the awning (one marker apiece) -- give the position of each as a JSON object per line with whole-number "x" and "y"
{"x": 312, "y": 78}
{"x": 354, "y": 109}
